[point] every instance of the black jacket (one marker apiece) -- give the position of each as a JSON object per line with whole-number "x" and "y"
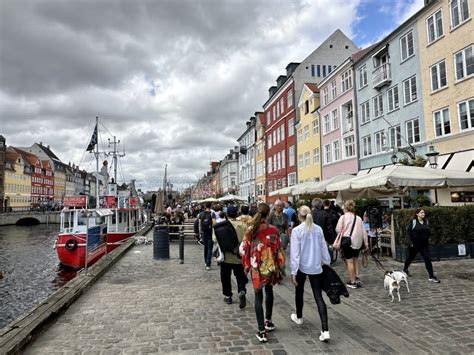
{"x": 322, "y": 219}
{"x": 332, "y": 285}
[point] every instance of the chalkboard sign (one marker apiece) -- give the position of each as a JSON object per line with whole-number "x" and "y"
{"x": 375, "y": 217}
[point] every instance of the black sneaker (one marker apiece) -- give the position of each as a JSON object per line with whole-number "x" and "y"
{"x": 262, "y": 336}
{"x": 406, "y": 272}
{"x": 352, "y": 285}
{"x": 228, "y": 299}
{"x": 358, "y": 282}
{"x": 434, "y": 279}
{"x": 242, "y": 300}
{"x": 269, "y": 325}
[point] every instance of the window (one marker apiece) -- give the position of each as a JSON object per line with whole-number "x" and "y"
{"x": 336, "y": 150}
{"x": 409, "y": 90}
{"x": 300, "y": 161}
{"x": 306, "y": 106}
{"x": 365, "y": 112}
{"x": 282, "y": 128}
{"x": 329, "y": 69}
{"x": 274, "y": 112}
{"x": 434, "y": 26}
{"x": 274, "y": 137}
{"x": 367, "y": 146}
{"x": 307, "y": 159}
{"x": 315, "y": 127}
{"x": 291, "y": 127}
{"x": 459, "y": 12}
{"x": 392, "y": 98}
{"x": 327, "y": 154}
{"x": 291, "y": 156}
{"x": 289, "y": 98}
{"x": 278, "y": 136}
{"x": 346, "y": 80}
{"x": 278, "y": 161}
{"x": 269, "y": 141}
{"x": 318, "y": 68}
{"x": 406, "y": 46}
{"x": 378, "y": 105}
{"x": 325, "y": 95}
{"x": 312, "y": 69}
{"x": 270, "y": 165}
{"x": 270, "y": 186}
{"x": 291, "y": 179}
{"x": 413, "y": 131}
{"x": 362, "y": 77}
{"x": 464, "y": 63}
{"x": 395, "y": 135}
{"x": 268, "y": 118}
{"x": 349, "y": 147}
{"x": 324, "y": 70}
{"x": 282, "y": 105}
{"x": 300, "y": 136}
{"x": 283, "y": 159}
{"x": 278, "y": 109}
{"x": 306, "y": 132}
{"x": 333, "y": 89}
{"x": 334, "y": 119}
{"x": 316, "y": 156}
{"x": 438, "y": 76}
{"x": 441, "y": 122}
{"x": 379, "y": 141}
{"x": 327, "y": 124}
{"x": 466, "y": 114}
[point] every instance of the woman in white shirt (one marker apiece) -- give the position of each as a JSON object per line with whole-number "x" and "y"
{"x": 308, "y": 252}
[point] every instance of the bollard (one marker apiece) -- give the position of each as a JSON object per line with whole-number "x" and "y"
{"x": 181, "y": 246}
{"x": 161, "y": 242}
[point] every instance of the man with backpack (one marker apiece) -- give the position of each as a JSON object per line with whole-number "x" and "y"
{"x": 229, "y": 234}
{"x": 206, "y": 218}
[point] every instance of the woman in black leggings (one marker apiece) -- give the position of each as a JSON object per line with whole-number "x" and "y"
{"x": 418, "y": 233}
{"x": 308, "y": 252}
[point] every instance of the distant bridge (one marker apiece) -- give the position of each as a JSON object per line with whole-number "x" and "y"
{"x": 29, "y": 218}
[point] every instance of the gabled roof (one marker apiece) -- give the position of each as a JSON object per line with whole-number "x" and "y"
{"x": 313, "y": 87}
{"x": 29, "y": 157}
{"x": 360, "y": 54}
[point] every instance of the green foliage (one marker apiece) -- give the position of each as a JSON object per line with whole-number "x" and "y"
{"x": 448, "y": 224}
{"x": 363, "y": 204}
{"x": 422, "y": 200}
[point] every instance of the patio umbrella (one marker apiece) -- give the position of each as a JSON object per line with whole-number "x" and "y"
{"x": 231, "y": 197}
{"x": 282, "y": 192}
{"x": 209, "y": 199}
{"x": 314, "y": 187}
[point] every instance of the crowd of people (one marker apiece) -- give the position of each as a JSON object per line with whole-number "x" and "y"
{"x": 255, "y": 241}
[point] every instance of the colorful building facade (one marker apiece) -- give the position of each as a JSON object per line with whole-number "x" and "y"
{"x": 17, "y": 183}
{"x": 260, "y": 160}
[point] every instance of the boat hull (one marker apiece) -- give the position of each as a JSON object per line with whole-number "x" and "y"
{"x": 71, "y": 250}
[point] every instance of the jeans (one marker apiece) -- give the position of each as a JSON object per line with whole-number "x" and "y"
{"x": 226, "y": 273}
{"x": 208, "y": 244}
{"x": 259, "y": 305}
{"x": 423, "y": 249}
{"x": 315, "y": 281}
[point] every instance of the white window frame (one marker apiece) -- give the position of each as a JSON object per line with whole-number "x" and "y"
{"x": 306, "y": 132}
{"x": 334, "y": 120}
{"x": 327, "y": 154}
{"x": 395, "y": 132}
{"x": 334, "y": 89}
{"x": 269, "y": 119}
{"x": 367, "y": 146}
{"x": 291, "y": 127}
{"x": 391, "y": 99}
{"x": 282, "y": 128}
{"x": 291, "y": 156}
{"x": 464, "y": 67}
{"x": 411, "y": 131}
{"x": 291, "y": 179}
{"x": 438, "y": 30}
{"x": 336, "y": 150}
{"x": 469, "y": 117}
{"x": 346, "y": 80}
{"x": 325, "y": 95}
{"x": 410, "y": 81}
{"x": 289, "y": 98}
{"x": 316, "y": 156}
{"x": 379, "y": 138}
{"x": 269, "y": 141}
{"x": 315, "y": 126}
{"x": 442, "y": 114}
{"x": 459, "y": 11}
{"x": 327, "y": 124}
{"x": 283, "y": 159}
{"x": 363, "y": 78}
{"x": 299, "y": 137}
{"x": 349, "y": 144}
{"x": 405, "y": 46}
{"x": 437, "y": 67}
{"x": 378, "y": 105}
{"x": 300, "y": 161}
{"x": 307, "y": 159}
{"x": 270, "y": 165}
{"x": 365, "y": 112}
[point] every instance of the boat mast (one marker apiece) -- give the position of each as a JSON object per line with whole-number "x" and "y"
{"x": 115, "y": 142}
{"x": 97, "y": 165}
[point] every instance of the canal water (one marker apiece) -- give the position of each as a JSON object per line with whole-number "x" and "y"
{"x": 30, "y": 269}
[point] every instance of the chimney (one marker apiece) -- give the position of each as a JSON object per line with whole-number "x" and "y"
{"x": 247, "y": 124}
{"x": 48, "y": 146}
{"x": 280, "y": 80}
{"x": 291, "y": 67}
{"x": 272, "y": 90}
{"x": 41, "y": 143}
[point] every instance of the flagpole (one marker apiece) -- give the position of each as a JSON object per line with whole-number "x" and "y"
{"x": 97, "y": 165}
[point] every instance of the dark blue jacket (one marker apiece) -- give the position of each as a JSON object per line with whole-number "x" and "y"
{"x": 332, "y": 285}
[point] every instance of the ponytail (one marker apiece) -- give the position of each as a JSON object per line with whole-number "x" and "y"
{"x": 305, "y": 215}
{"x": 309, "y": 221}
{"x": 262, "y": 213}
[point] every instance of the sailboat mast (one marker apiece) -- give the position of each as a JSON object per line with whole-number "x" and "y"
{"x": 97, "y": 165}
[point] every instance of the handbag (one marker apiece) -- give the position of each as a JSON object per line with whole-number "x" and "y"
{"x": 344, "y": 241}
{"x": 218, "y": 255}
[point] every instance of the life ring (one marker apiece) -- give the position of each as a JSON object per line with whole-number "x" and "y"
{"x": 71, "y": 244}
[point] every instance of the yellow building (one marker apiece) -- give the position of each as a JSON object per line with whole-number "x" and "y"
{"x": 17, "y": 182}
{"x": 308, "y": 135}
{"x": 260, "y": 158}
{"x": 446, "y": 44}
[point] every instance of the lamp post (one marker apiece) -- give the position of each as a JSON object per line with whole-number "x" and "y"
{"x": 432, "y": 156}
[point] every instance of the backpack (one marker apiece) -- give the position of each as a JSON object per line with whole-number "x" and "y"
{"x": 206, "y": 221}
{"x": 196, "y": 226}
{"x": 413, "y": 223}
{"x": 226, "y": 236}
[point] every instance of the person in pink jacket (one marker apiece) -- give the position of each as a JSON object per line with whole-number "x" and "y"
{"x": 358, "y": 241}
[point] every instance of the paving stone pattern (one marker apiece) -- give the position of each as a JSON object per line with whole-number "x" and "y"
{"x": 144, "y": 306}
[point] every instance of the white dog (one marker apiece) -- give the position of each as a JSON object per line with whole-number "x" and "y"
{"x": 391, "y": 284}
{"x": 400, "y": 276}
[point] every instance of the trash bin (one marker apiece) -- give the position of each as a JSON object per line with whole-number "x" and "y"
{"x": 161, "y": 242}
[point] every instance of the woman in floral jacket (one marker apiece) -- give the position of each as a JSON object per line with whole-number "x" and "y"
{"x": 263, "y": 255}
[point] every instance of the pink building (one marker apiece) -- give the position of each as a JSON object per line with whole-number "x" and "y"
{"x": 338, "y": 126}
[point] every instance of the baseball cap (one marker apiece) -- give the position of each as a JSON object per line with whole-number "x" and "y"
{"x": 232, "y": 211}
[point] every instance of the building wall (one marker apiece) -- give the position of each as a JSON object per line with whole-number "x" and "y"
{"x": 444, "y": 48}
{"x": 260, "y": 158}
{"x": 307, "y": 144}
{"x": 339, "y": 104}
{"x": 18, "y": 186}
{"x": 247, "y": 163}
{"x": 400, "y": 70}
{"x": 3, "y": 148}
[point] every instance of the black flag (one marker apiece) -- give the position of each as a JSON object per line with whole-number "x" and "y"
{"x": 93, "y": 140}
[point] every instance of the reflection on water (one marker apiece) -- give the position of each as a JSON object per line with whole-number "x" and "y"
{"x": 30, "y": 268}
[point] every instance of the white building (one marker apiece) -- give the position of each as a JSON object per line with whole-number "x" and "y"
{"x": 229, "y": 178}
{"x": 247, "y": 162}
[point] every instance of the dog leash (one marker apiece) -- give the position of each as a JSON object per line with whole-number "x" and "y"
{"x": 378, "y": 263}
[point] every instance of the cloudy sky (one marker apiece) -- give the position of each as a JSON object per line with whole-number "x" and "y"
{"x": 174, "y": 80}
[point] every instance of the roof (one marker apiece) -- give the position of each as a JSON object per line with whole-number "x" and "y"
{"x": 313, "y": 87}
{"x": 360, "y": 54}
{"x": 48, "y": 152}
{"x": 29, "y": 157}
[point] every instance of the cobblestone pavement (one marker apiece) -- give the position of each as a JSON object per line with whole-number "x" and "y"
{"x": 144, "y": 305}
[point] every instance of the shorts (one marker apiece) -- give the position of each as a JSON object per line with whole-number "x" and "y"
{"x": 350, "y": 253}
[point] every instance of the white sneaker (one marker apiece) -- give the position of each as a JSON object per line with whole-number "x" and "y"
{"x": 324, "y": 336}
{"x": 295, "y": 319}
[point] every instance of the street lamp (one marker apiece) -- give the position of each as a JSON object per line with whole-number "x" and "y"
{"x": 433, "y": 160}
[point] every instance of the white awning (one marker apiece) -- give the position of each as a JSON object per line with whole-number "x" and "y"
{"x": 363, "y": 172}
{"x": 461, "y": 161}
{"x": 378, "y": 168}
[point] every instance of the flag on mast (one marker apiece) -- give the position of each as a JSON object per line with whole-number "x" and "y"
{"x": 93, "y": 140}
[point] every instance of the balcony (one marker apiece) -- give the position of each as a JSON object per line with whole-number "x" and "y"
{"x": 381, "y": 76}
